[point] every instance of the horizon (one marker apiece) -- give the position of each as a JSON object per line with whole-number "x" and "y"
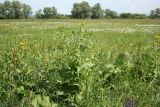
{"x": 125, "y": 6}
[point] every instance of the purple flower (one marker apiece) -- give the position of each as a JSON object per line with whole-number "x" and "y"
{"x": 132, "y": 102}
{"x": 126, "y": 103}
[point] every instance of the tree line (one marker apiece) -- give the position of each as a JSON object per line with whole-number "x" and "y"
{"x": 18, "y": 10}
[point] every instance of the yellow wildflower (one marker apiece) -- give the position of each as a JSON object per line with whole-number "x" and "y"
{"x": 82, "y": 24}
{"x": 22, "y": 45}
{"x": 157, "y": 37}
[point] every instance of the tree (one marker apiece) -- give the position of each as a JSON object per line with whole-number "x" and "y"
{"x": 155, "y": 13}
{"x": 8, "y": 12}
{"x": 49, "y": 12}
{"x": 39, "y": 14}
{"x": 76, "y": 10}
{"x": 110, "y": 14}
{"x": 126, "y": 15}
{"x": 14, "y": 10}
{"x": 54, "y": 11}
{"x": 2, "y": 16}
{"x": 27, "y": 10}
{"x": 62, "y": 16}
{"x": 152, "y": 14}
{"x": 138, "y": 16}
{"x": 17, "y": 9}
{"x": 97, "y": 11}
{"x": 81, "y": 10}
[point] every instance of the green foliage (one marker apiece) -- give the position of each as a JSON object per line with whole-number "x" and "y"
{"x": 68, "y": 65}
{"x": 2, "y": 16}
{"x": 42, "y": 101}
{"x": 27, "y": 10}
{"x": 110, "y": 14}
{"x": 49, "y": 12}
{"x": 61, "y": 16}
{"x": 81, "y": 10}
{"x": 139, "y": 16}
{"x": 17, "y": 6}
{"x": 126, "y": 15}
{"x": 97, "y": 11}
{"x": 14, "y": 10}
{"x": 155, "y": 13}
{"x": 132, "y": 16}
{"x": 39, "y": 14}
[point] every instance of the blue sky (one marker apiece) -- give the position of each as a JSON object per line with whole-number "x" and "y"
{"x": 65, "y": 6}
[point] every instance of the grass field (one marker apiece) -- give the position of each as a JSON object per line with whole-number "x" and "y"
{"x": 80, "y": 63}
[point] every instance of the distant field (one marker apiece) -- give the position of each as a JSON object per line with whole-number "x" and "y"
{"x": 80, "y": 63}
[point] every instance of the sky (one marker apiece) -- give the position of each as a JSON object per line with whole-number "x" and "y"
{"x": 120, "y": 6}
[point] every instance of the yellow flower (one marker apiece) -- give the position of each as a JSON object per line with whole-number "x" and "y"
{"x": 157, "y": 37}
{"x": 22, "y": 45}
{"x": 82, "y": 24}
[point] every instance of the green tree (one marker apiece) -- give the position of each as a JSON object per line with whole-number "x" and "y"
{"x": 152, "y": 14}
{"x": 8, "y": 12}
{"x": 2, "y": 16}
{"x": 110, "y": 14}
{"x": 14, "y": 10}
{"x": 49, "y": 12}
{"x": 27, "y": 10}
{"x": 62, "y": 16}
{"x": 138, "y": 16}
{"x": 125, "y": 15}
{"x": 76, "y": 10}
{"x": 17, "y": 9}
{"x": 81, "y": 10}
{"x": 54, "y": 11}
{"x": 155, "y": 13}
{"x": 39, "y": 14}
{"x": 97, "y": 11}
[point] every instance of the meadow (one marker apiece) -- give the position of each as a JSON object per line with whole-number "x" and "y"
{"x": 80, "y": 63}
